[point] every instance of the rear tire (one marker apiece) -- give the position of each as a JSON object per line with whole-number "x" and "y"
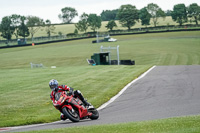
{"x": 95, "y": 114}
{"x": 72, "y": 115}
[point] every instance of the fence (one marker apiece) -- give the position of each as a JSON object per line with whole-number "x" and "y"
{"x": 36, "y": 65}
{"x": 91, "y": 34}
{"x": 30, "y": 40}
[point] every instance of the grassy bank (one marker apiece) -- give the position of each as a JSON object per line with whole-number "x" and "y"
{"x": 69, "y": 28}
{"x": 25, "y": 98}
{"x": 189, "y": 124}
{"x": 177, "y": 48}
{"x": 25, "y": 93}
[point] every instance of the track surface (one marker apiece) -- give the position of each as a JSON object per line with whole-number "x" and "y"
{"x": 166, "y": 91}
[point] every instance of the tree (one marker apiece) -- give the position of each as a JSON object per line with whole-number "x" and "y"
{"x": 34, "y": 23}
{"x": 6, "y": 28}
{"x": 94, "y": 22}
{"x": 144, "y": 16}
{"x": 194, "y": 12}
{"x": 15, "y": 22}
{"x": 168, "y": 13}
{"x": 155, "y": 12}
{"x": 111, "y": 24}
{"x": 68, "y": 14}
{"x": 76, "y": 32}
{"x": 82, "y": 24}
{"x": 128, "y": 15}
{"x": 49, "y": 28}
{"x": 179, "y": 14}
{"x": 108, "y": 15}
{"x": 23, "y": 29}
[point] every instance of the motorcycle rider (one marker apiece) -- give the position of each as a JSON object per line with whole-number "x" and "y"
{"x": 53, "y": 84}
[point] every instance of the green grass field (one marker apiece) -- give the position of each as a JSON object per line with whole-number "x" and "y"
{"x": 69, "y": 28}
{"x": 189, "y": 124}
{"x": 25, "y": 93}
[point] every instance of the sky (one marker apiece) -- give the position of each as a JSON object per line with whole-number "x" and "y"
{"x": 50, "y": 9}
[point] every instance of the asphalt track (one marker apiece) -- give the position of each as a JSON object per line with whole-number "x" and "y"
{"x": 165, "y": 91}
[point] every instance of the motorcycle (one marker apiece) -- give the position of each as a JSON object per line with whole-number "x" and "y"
{"x": 73, "y": 108}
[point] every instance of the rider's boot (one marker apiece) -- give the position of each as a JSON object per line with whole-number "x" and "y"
{"x": 80, "y": 96}
{"x": 87, "y": 105}
{"x": 62, "y": 117}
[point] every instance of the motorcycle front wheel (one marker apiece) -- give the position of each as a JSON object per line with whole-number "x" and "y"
{"x": 95, "y": 114}
{"x": 71, "y": 114}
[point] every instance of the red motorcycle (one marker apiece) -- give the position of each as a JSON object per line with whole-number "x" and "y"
{"x": 73, "y": 108}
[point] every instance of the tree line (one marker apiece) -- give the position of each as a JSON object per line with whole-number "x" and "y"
{"x": 18, "y": 25}
{"x": 127, "y": 15}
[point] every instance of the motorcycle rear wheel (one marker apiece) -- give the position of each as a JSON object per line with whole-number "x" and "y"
{"x": 95, "y": 114}
{"x": 71, "y": 114}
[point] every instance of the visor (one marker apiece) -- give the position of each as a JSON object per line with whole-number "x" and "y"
{"x": 53, "y": 87}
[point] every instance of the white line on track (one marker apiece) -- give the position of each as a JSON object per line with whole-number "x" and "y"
{"x": 124, "y": 89}
{"x": 25, "y": 126}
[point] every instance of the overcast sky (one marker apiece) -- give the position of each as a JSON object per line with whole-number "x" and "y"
{"x": 49, "y": 9}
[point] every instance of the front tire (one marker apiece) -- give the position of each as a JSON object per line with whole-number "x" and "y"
{"x": 71, "y": 114}
{"x": 95, "y": 114}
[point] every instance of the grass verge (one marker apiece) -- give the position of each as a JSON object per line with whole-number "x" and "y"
{"x": 26, "y": 99}
{"x": 188, "y": 124}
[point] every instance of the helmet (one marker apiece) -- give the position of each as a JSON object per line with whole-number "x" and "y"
{"x": 53, "y": 84}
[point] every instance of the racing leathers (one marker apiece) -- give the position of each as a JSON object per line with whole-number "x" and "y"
{"x": 71, "y": 91}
